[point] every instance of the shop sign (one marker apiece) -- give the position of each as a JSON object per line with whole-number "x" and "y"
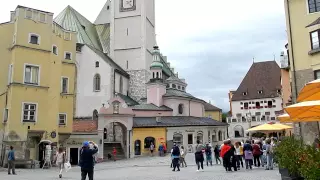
{"x": 190, "y": 130}
{"x": 74, "y": 142}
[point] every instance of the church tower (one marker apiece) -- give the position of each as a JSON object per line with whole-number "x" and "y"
{"x": 130, "y": 39}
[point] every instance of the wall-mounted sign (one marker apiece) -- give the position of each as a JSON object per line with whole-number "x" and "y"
{"x": 190, "y": 130}
{"x": 53, "y": 134}
{"x": 73, "y": 142}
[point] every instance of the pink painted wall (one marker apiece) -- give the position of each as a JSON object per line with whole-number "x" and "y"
{"x": 152, "y": 113}
{"x": 155, "y": 93}
{"x": 196, "y": 108}
{"x": 123, "y": 108}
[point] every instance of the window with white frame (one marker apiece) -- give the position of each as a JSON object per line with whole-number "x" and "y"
{"x": 314, "y": 38}
{"x": 29, "y": 112}
{"x": 34, "y": 39}
{"x": 42, "y": 17}
{"x": 55, "y": 49}
{"x": 64, "y": 84}
{"x": 62, "y": 119}
{"x": 31, "y": 74}
{"x": 314, "y": 6}
{"x": 5, "y": 115}
{"x": 10, "y": 74}
{"x": 67, "y": 36}
{"x": 67, "y": 55}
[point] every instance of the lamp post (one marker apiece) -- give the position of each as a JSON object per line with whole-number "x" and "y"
{"x": 249, "y": 121}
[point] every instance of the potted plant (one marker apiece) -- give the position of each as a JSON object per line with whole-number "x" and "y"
{"x": 310, "y": 164}
{"x": 288, "y": 153}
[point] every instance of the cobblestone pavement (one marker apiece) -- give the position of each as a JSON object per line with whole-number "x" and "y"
{"x": 146, "y": 168}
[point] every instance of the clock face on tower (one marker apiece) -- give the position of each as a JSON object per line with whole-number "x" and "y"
{"x": 127, "y": 5}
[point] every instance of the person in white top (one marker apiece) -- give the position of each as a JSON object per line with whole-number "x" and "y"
{"x": 60, "y": 160}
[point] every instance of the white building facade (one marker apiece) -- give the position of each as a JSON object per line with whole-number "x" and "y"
{"x": 257, "y": 100}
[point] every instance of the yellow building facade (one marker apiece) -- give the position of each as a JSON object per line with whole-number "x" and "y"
{"x": 213, "y": 112}
{"x": 141, "y": 136}
{"x": 303, "y": 29}
{"x": 37, "y": 81}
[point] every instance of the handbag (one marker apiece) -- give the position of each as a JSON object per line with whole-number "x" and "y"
{"x": 67, "y": 166}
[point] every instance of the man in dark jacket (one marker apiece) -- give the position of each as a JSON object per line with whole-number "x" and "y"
{"x": 175, "y": 158}
{"x": 87, "y": 160}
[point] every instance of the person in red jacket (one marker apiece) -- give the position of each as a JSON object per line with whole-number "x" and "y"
{"x": 256, "y": 153}
{"x": 114, "y": 152}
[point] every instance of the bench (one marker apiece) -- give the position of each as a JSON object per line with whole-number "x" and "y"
{"x": 23, "y": 163}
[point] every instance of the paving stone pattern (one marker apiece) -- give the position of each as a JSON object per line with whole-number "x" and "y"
{"x": 146, "y": 168}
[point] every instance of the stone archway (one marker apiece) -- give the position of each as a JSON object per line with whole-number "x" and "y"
{"x": 238, "y": 131}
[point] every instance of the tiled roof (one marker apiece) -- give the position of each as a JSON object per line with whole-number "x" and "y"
{"x": 129, "y": 101}
{"x": 317, "y": 21}
{"x": 88, "y": 125}
{"x": 175, "y": 121}
{"x": 151, "y": 107}
{"x": 72, "y": 20}
{"x": 177, "y": 93}
{"x": 210, "y": 107}
{"x": 265, "y": 76}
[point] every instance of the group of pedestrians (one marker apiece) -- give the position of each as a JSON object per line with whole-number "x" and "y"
{"x": 257, "y": 152}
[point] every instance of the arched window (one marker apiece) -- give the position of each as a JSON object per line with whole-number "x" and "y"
{"x": 95, "y": 115}
{"x": 180, "y": 108}
{"x": 121, "y": 85}
{"x": 158, "y": 75}
{"x": 97, "y": 82}
{"x": 148, "y": 141}
{"x": 153, "y": 75}
{"x": 173, "y": 86}
{"x": 238, "y": 131}
{"x": 178, "y": 138}
{"x": 200, "y": 136}
{"x": 220, "y": 136}
{"x": 105, "y": 133}
{"x": 97, "y": 64}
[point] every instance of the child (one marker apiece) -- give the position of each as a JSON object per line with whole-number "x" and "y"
{"x": 114, "y": 152}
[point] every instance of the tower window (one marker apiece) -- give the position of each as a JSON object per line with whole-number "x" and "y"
{"x": 260, "y": 92}
{"x": 180, "y": 108}
{"x": 34, "y": 39}
{"x": 108, "y": 7}
{"x": 55, "y": 49}
{"x": 174, "y": 86}
{"x": 97, "y": 64}
{"x": 244, "y": 93}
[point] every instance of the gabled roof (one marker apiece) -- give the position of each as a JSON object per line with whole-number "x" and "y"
{"x": 210, "y": 107}
{"x": 178, "y": 93}
{"x": 175, "y": 121}
{"x": 72, "y": 20}
{"x": 265, "y": 76}
{"x": 151, "y": 107}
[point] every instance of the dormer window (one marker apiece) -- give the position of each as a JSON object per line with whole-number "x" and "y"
{"x": 260, "y": 92}
{"x": 34, "y": 39}
{"x": 244, "y": 93}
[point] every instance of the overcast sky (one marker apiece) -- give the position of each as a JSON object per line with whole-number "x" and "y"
{"x": 211, "y": 43}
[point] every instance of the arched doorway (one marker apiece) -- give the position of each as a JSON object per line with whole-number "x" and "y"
{"x": 200, "y": 136}
{"x": 137, "y": 147}
{"x": 178, "y": 138}
{"x": 238, "y": 131}
{"x": 115, "y": 136}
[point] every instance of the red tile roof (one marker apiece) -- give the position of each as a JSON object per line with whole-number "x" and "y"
{"x": 85, "y": 125}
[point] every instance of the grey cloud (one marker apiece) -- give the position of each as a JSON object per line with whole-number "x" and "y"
{"x": 218, "y": 60}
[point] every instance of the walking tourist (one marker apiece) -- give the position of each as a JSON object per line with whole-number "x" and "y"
{"x": 208, "y": 155}
{"x": 60, "y": 160}
{"x": 87, "y": 160}
{"x": 227, "y": 154}
{"x": 183, "y": 154}
{"x": 256, "y": 153}
{"x": 151, "y": 148}
{"x": 11, "y": 161}
{"x": 248, "y": 156}
{"x": 160, "y": 149}
{"x": 217, "y": 154}
{"x": 269, "y": 155}
{"x": 199, "y": 155}
{"x": 175, "y": 158}
{"x": 239, "y": 154}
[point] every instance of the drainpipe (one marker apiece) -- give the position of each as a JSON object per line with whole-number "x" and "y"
{"x": 293, "y": 64}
